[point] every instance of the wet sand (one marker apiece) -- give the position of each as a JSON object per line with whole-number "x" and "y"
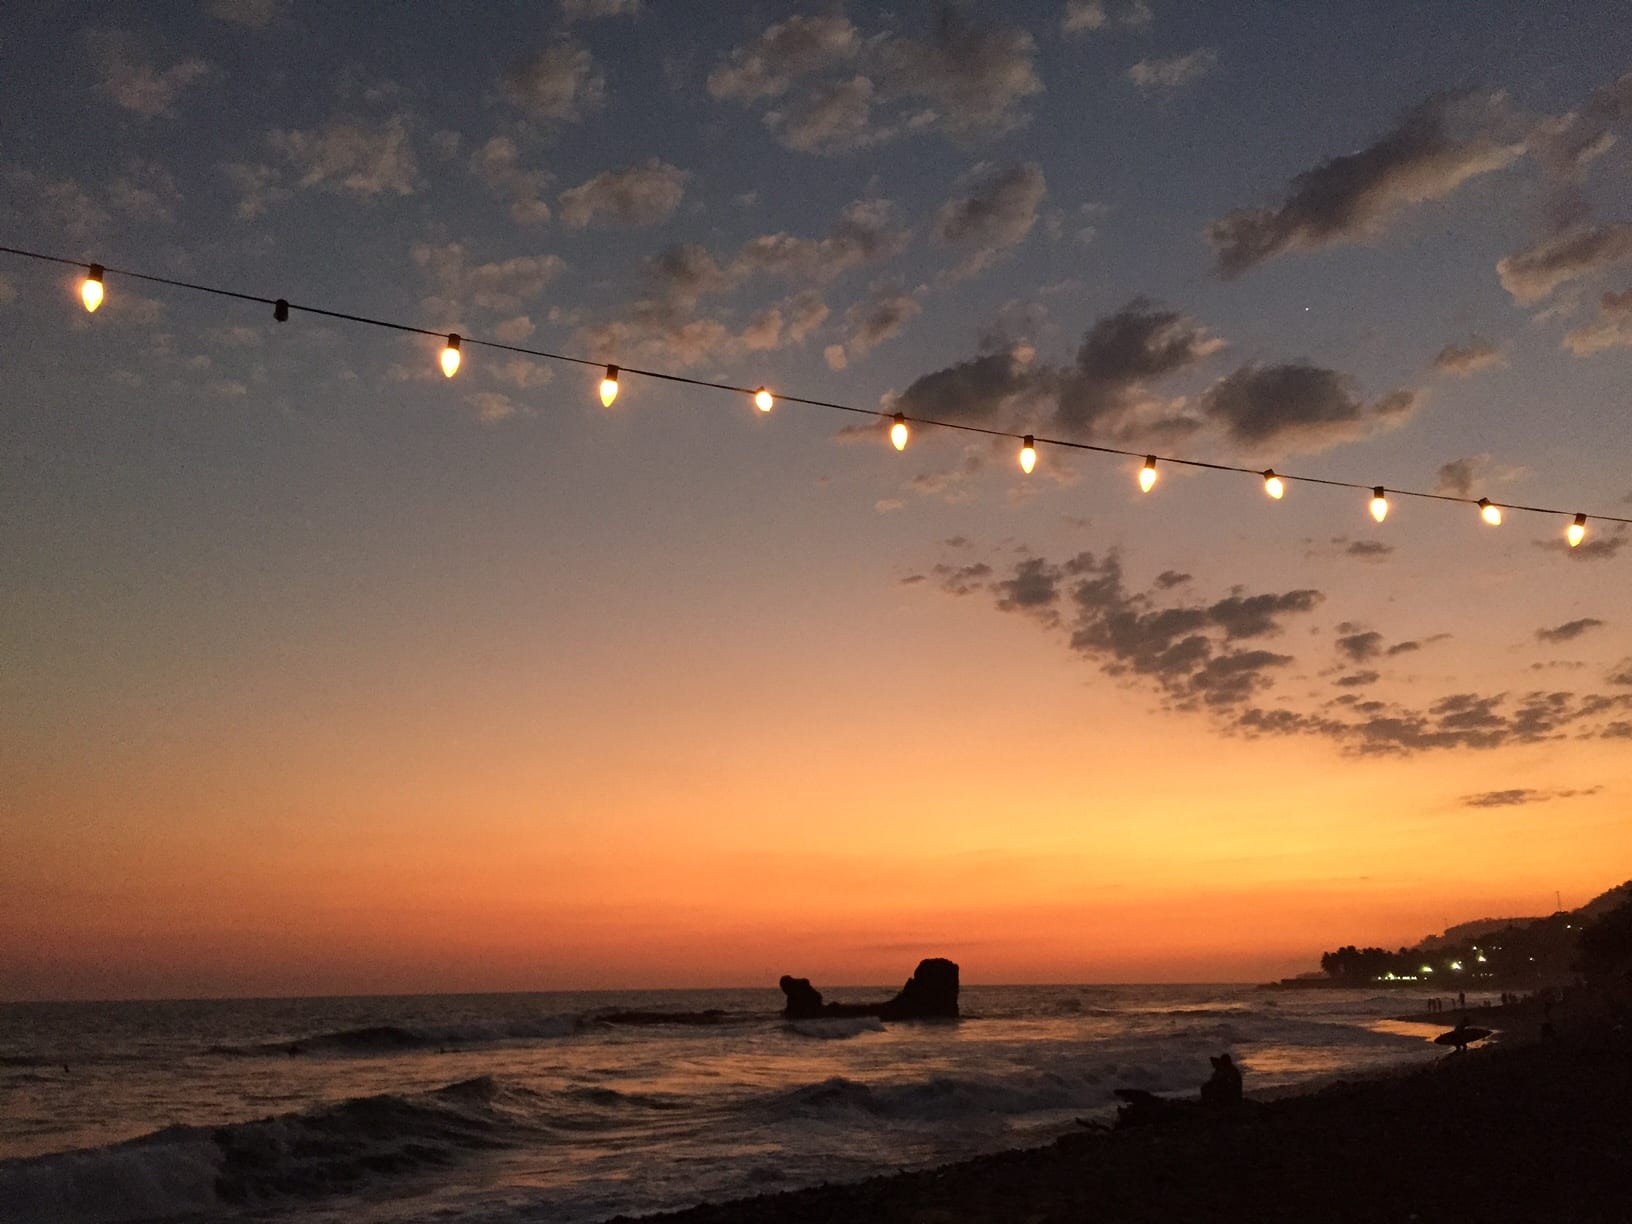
{"x": 1528, "y": 1130}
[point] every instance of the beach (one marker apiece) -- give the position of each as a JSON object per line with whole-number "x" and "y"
{"x": 1532, "y": 1130}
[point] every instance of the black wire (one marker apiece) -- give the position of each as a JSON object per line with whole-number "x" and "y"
{"x": 665, "y": 376}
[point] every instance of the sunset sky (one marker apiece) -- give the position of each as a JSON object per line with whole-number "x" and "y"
{"x": 321, "y": 673}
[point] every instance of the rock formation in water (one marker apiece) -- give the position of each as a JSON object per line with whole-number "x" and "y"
{"x": 931, "y": 993}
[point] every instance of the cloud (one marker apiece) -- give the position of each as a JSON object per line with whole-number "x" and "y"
{"x": 1569, "y": 630}
{"x": 354, "y": 156}
{"x": 129, "y": 80}
{"x": 256, "y": 14}
{"x": 1119, "y": 355}
{"x": 785, "y": 52}
{"x": 1568, "y": 144}
{"x": 668, "y": 328}
{"x": 1456, "y": 477}
{"x": 560, "y": 83}
{"x": 1175, "y": 73}
{"x": 976, "y": 77}
{"x": 514, "y": 331}
{"x": 1189, "y": 654}
{"x": 830, "y": 88}
{"x": 835, "y": 117}
{"x": 1612, "y": 328}
{"x": 1103, "y": 392}
{"x": 963, "y": 579}
{"x": 146, "y": 191}
{"x": 639, "y": 195}
{"x": 879, "y": 317}
{"x": 1085, "y": 16}
{"x": 595, "y": 10}
{"x": 1579, "y": 251}
{"x": 492, "y": 406}
{"x": 866, "y": 233}
{"x": 58, "y": 204}
{"x": 664, "y": 323}
{"x": 1439, "y": 145}
{"x": 1359, "y": 647}
{"x": 1368, "y": 550}
{"x": 497, "y": 163}
{"x": 996, "y": 212}
{"x": 1463, "y": 361}
{"x": 974, "y": 390}
{"x": 504, "y": 285}
{"x": 1187, "y": 650}
{"x": 259, "y": 188}
{"x": 1282, "y": 409}
{"x": 1520, "y": 796}
{"x": 1596, "y": 547}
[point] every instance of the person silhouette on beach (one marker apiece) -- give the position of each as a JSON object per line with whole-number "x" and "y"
{"x": 1223, "y": 1091}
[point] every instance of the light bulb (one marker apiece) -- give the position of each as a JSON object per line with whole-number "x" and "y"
{"x": 1379, "y": 504}
{"x": 450, "y": 355}
{"x": 898, "y": 432}
{"x": 763, "y": 400}
{"x": 1576, "y": 531}
{"x": 90, "y": 291}
{"x": 1490, "y": 512}
{"x": 1274, "y": 485}
{"x": 609, "y": 387}
{"x": 1147, "y": 474}
{"x": 1028, "y": 455}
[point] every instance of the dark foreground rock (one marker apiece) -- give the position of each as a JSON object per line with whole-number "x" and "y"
{"x": 1541, "y": 1132}
{"x": 931, "y": 993}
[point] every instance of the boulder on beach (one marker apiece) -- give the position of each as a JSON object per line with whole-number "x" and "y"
{"x": 931, "y": 993}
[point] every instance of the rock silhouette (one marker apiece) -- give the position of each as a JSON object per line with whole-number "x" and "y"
{"x": 931, "y": 993}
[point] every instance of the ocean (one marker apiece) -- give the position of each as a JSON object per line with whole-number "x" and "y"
{"x": 570, "y": 1108}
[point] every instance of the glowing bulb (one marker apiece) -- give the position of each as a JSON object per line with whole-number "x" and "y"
{"x": 898, "y": 432}
{"x": 1028, "y": 455}
{"x": 1490, "y": 512}
{"x": 1576, "y": 531}
{"x": 609, "y": 387}
{"x": 1379, "y": 504}
{"x": 1274, "y": 485}
{"x": 1147, "y": 474}
{"x": 90, "y": 292}
{"x": 450, "y": 355}
{"x": 763, "y": 400}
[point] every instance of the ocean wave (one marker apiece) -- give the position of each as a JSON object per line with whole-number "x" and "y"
{"x": 328, "y": 1149}
{"x": 946, "y": 1097}
{"x": 397, "y": 1039}
{"x": 836, "y": 1028}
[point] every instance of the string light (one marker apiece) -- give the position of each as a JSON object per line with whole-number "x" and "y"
{"x": 1490, "y": 512}
{"x": 90, "y": 290}
{"x": 609, "y": 387}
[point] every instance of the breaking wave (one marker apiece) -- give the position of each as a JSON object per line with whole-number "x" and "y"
{"x": 329, "y": 1149}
